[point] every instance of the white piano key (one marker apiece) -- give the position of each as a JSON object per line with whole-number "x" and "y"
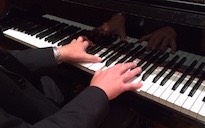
{"x": 163, "y": 92}
{"x": 26, "y": 39}
{"x": 198, "y": 103}
{"x": 100, "y": 65}
{"x": 153, "y": 86}
{"x": 114, "y": 62}
{"x": 168, "y": 91}
{"x": 175, "y": 94}
{"x": 86, "y": 64}
{"x": 32, "y": 41}
{"x": 201, "y": 114}
{"x": 97, "y": 66}
{"x": 182, "y": 98}
{"x": 146, "y": 84}
{"x": 156, "y": 85}
{"x": 161, "y": 89}
{"x": 191, "y": 100}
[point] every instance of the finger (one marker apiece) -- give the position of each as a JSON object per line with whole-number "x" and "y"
{"x": 122, "y": 68}
{"x": 74, "y": 40}
{"x": 145, "y": 38}
{"x": 91, "y": 58}
{"x": 80, "y": 39}
{"x": 133, "y": 86}
{"x": 84, "y": 38}
{"x": 122, "y": 35}
{"x": 90, "y": 42}
{"x": 154, "y": 42}
{"x": 164, "y": 44}
{"x": 173, "y": 46}
{"x": 127, "y": 76}
{"x": 86, "y": 44}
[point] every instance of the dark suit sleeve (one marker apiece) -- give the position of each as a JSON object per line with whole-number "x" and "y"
{"x": 9, "y": 121}
{"x": 35, "y": 59}
{"x": 87, "y": 110}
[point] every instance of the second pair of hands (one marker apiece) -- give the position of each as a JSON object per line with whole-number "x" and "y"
{"x": 161, "y": 39}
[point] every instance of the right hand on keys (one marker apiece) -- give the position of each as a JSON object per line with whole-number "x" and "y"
{"x": 115, "y": 80}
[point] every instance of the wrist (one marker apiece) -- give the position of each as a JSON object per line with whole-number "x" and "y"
{"x": 57, "y": 55}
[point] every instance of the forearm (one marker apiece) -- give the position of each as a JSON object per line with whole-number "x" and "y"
{"x": 87, "y": 110}
{"x": 7, "y": 121}
{"x": 35, "y": 59}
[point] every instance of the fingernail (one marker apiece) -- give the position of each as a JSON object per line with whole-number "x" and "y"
{"x": 99, "y": 59}
{"x": 135, "y": 62}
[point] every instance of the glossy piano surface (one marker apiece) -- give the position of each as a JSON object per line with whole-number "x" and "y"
{"x": 176, "y": 81}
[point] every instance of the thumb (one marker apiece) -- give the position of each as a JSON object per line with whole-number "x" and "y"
{"x": 145, "y": 38}
{"x": 92, "y": 58}
{"x": 122, "y": 35}
{"x": 133, "y": 86}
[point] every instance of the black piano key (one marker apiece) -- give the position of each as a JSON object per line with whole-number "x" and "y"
{"x": 31, "y": 27}
{"x": 114, "y": 46}
{"x": 36, "y": 30}
{"x": 51, "y": 30}
{"x": 42, "y": 25}
{"x": 196, "y": 86}
{"x": 158, "y": 62}
{"x": 177, "y": 66}
{"x": 152, "y": 60}
{"x": 91, "y": 50}
{"x": 203, "y": 99}
{"x": 184, "y": 88}
{"x": 52, "y": 36}
{"x": 188, "y": 70}
{"x": 172, "y": 62}
{"x": 63, "y": 33}
{"x": 130, "y": 53}
{"x": 113, "y": 52}
{"x": 127, "y": 47}
{"x": 196, "y": 73}
{"x": 136, "y": 55}
{"x": 36, "y": 27}
{"x": 74, "y": 36}
{"x": 149, "y": 55}
{"x": 23, "y": 27}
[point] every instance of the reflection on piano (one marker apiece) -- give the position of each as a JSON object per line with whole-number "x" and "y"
{"x": 173, "y": 80}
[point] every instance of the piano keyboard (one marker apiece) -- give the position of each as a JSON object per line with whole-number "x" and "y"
{"x": 174, "y": 80}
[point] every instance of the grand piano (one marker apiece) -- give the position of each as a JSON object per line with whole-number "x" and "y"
{"x": 173, "y": 83}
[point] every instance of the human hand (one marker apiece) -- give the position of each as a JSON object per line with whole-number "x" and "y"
{"x": 76, "y": 51}
{"x": 115, "y": 80}
{"x": 4, "y": 7}
{"x": 115, "y": 26}
{"x": 161, "y": 39}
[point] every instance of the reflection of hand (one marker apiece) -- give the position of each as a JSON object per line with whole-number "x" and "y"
{"x": 115, "y": 26}
{"x": 115, "y": 80}
{"x": 162, "y": 39}
{"x": 76, "y": 51}
{"x": 2, "y": 6}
